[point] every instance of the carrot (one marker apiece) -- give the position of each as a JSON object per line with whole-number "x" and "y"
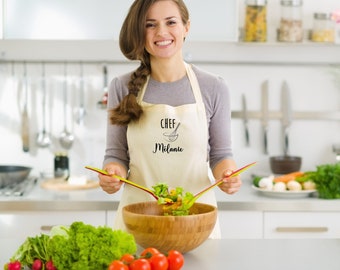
{"x": 288, "y": 177}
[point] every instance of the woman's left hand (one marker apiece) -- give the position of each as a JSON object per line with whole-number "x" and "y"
{"x": 230, "y": 185}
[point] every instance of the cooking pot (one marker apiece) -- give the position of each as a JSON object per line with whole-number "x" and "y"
{"x": 11, "y": 174}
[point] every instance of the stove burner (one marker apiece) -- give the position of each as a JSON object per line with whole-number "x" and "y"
{"x": 19, "y": 189}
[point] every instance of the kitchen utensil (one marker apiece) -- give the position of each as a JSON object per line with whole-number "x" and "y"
{"x": 198, "y": 195}
{"x": 217, "y": 183}
{"x": 81, "y": 110}
{"x": 24, "y": 115}
{"x": 61, "y": 184}
{"x": 123, "y": 180}
{"x": 245, "y": 119}
{"x": 151, "y": 228}
{"x": 66, "y": 138}
{"x": 265, "y": 115}
{"x": 11, "y": 174}
{"x": 286, "y": 115}
{"x": 103, "y": 102}
{"x": 43, "y": 137}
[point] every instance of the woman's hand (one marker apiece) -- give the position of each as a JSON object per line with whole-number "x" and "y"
{"x": 108, "y": 183}
{"x": 230, "y": 185}
{"x": 222, "y": 170}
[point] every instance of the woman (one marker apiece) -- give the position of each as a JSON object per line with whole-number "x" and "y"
{"x": 170, "y": 120}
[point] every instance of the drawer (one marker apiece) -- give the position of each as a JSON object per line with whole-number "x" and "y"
{"x": 241, "y": 224}
{"x": 302, "y": 225}
{"x": 31, "y": 223}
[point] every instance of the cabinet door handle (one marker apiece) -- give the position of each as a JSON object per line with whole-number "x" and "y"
{"x": 301, "y": 229}
{"x": 46, "y": 227}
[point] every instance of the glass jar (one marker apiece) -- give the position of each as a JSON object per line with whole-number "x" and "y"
{"x": 291, "y": 29}
{"x": 336, "y": 20}
{"x": 255, "y": 28}
{"x": 61, "y": 166}
{"x": 323, "y": 28}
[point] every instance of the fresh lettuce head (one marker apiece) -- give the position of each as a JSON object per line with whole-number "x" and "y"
{"x": 89, "y": 247}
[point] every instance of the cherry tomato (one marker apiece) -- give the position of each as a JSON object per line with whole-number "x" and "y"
{"x": 159, "y": 262}
{"x": 148, "y": 252}
{"x": 140, "y": 264}
{"x": 16, "y": 265}
{"x": 127, "y": 258}
{"x": 118, "y": 265}
{"x": 175, "y": 260}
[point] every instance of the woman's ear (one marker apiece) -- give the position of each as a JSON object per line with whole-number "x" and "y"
{"x": 186, "y": 29}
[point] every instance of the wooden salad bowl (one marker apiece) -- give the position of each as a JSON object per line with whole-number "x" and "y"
{"x": 146, "y": 222}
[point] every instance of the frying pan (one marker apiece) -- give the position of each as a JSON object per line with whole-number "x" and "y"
{"x": 11, "y": 174}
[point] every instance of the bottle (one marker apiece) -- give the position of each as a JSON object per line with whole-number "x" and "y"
{"x": 256, "y": 21}
{"x": 336, "y": 20}
{"x": 323, "y": 28}
{"x": 61, "y": 166}
{"x": 291, "y": 29}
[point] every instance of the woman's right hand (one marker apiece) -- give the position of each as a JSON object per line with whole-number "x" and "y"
{"x": 111, "y": 184}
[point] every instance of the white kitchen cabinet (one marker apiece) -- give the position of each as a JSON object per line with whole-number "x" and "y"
{"x": 301, "y": 224}
{"x": 241, "y": 224}
{"x": 110, "y": 216}
{"x": 85, "y": 19}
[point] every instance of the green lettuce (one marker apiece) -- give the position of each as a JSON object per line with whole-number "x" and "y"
{"x": 89, "y": 247}
{"x": 79, "y": 246}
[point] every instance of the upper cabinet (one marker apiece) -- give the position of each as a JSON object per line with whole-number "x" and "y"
{"x": 63, "y": 19}
{"x": 88, "y": 30}
{"x": 101, "y": 20}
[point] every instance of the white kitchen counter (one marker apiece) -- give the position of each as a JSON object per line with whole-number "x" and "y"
{"x": 309, "y": 254}
{"x": 279, "y": 254}
{"x": 247, "y": 199}
{"x": 230, "y": 253}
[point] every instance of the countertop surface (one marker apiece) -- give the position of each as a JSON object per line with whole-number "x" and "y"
{"x": 278, "y": 254}
{"x": 249, "y": 254}
{"x": 247, "y": 199}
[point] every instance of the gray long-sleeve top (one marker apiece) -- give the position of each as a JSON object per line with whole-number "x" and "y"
{"x": 215, "y": 94}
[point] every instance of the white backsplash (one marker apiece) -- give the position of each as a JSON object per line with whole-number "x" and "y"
{"x": 312, "y": 89}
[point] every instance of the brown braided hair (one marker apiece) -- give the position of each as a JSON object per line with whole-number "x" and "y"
{"x": 132, "y": 45}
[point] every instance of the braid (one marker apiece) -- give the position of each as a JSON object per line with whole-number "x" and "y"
{"x": 129, "y": 109}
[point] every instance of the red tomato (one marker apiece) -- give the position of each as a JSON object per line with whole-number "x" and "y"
{"x": 175, "y": 260}
{"x": 127, "y": 258}
{"x": 159, "y": 262}
{"x": 117, "y": 265}
{"x": 148, "y": 252}
{"x": 140, "y": 264}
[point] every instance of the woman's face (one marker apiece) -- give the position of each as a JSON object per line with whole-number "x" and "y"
{"x": 165, "y": 31}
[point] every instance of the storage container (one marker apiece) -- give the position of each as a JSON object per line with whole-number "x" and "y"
{"x": 291, "y": 26}
{"x": 61, "y": 165}
{"x": 323, "y": 28}
{"x": 256, "y": 21}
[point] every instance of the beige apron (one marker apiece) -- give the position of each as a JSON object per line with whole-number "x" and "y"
{"x": 169, "y": 145}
